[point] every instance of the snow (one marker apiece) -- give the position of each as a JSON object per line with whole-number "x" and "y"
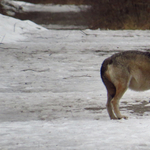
{"x": 12, "y": 30}
{"x": 51, "y": 95}
{"x": 29, "y": 7}
{"x": 83, "y": 134}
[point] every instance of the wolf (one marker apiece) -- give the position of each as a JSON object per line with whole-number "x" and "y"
{"x": 128, "y": 69}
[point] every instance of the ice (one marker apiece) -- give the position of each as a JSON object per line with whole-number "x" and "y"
{"x": 51, "y": 94}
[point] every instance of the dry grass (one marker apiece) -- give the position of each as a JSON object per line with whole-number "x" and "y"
{"x": 120, "y": 14}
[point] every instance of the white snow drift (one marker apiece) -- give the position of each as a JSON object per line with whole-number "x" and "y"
{"x": 14, "y": 30}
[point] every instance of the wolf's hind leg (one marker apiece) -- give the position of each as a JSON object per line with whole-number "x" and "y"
{"x": 110, "y": 107}
{"x": 111, "y": 91}
{"x": 120, "y": 90}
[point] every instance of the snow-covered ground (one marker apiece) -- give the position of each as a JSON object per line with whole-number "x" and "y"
{"x": 49, "y": 7}
{"x": 51, "y": 95}
{"x": 18, "y": 6}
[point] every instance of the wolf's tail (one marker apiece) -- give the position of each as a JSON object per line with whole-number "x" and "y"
{"x": 111, "y": 89}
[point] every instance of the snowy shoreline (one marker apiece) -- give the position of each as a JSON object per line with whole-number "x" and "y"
{"x": 52, "y": 96}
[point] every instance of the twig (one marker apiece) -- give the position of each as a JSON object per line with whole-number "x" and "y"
{"x": 15, "y": 26}
{"x": 36, "y": 70}
{"x": 84, "y": 33}
{"x": 2, "y": 39}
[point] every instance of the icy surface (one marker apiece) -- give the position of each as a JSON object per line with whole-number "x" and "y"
{"x": 51, "y": 95}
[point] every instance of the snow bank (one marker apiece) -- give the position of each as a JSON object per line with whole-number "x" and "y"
{"x": 14, "y": 30}
{"x": 29, "y": 7}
